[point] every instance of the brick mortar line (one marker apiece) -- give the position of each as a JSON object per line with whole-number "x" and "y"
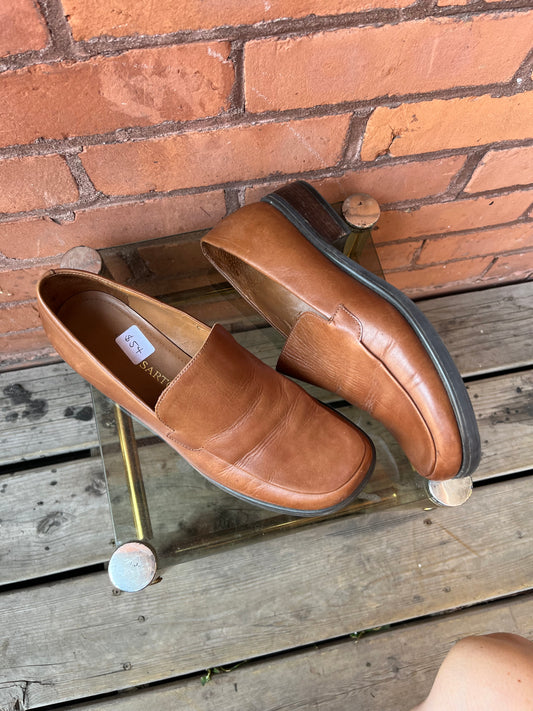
{"x": 496, "y": 90}
{"x": 13, "y": 62}
{"x": 442, "y": 153}
{"x": 454, "y": 288}
{"x": 241, "y": 193}
{"x": 429, "y": 5}
{"x": 447, "y": 197}
{"x": 237, "y": 95}
{"x": 100, "y": 200}
{"x": 416, "y": 253}
{"x": 229, "y": 119}
{"x": 523, "y": 73}
{"x": 485, "y": 272}
{"x": 507, "y": 253}
{"x": 61, "y": 41}
{"x": 62, "y": 46}
{"x": 301, "y": 27}
{"x": 391, "y": 161}
{"x": 35, "y": 329}
{"x": 384, "y": 161}
{"x": 20, "y": 360}
{"x": 435, "y": 236}
{"x": 87, "y": 191}
{"x": 459, "y": 182}
{"x": 479, "y": 8}
{"x": 353, "y": 141}
{"x": 234, "y": 199}
{"x": 6, "y": 305}
{"x": 6, "y": 357}
{"x": 507, "y": 189}
{"x": 333, "y": 171}
{"x": 9, "y": 264}
{"x": 421, "y": 267}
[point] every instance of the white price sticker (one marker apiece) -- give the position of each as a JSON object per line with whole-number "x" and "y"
{"x": 135, "y": 344}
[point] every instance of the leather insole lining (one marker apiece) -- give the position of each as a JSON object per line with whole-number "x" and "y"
{"x": 97, "y": 318}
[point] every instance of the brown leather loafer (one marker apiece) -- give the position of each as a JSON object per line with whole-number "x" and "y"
{"x": 348, "y": 330}
{"x": 245, "y": 427}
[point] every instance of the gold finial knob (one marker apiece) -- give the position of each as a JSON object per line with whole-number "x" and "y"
{"x": 84, "y": 258}
{"x": 361, "y": 211}
{"x": 133, "y": 566}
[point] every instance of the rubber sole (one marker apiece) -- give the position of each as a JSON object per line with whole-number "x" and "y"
{"x": 435, "y": 348}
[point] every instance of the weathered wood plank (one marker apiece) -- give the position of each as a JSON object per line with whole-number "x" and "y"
{"x": 388, "y": 670}
{"x": 75, "y": 638}
{"x": 46, "y": 410}
{"x": 486, "y": 331}
{"x": 12, "y": 697}
{"x": 184, "y": 505}
{"x": 504, "y": 411}
{"x": 53, "y": 520}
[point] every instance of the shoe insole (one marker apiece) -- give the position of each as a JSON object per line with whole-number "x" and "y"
{"x": 145, "y": 361}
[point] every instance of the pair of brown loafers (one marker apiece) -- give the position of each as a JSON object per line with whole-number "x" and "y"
{"x": 247, "y": 428}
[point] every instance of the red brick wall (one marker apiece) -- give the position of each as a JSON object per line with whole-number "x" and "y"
{"x": 124, "y": 120}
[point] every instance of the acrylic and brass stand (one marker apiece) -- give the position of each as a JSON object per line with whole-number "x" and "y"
{"x": 165, "y": 513}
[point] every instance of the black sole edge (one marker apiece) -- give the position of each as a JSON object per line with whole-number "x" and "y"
{"x": 437, "y": 351}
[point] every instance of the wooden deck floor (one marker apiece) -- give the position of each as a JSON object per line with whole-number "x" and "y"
{"x": 280, "y": 620}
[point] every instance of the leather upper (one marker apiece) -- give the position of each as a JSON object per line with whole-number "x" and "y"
{"x": 259, "y": 429}
{"x": 341, "y": 335}
{"x": 241, "y": 424}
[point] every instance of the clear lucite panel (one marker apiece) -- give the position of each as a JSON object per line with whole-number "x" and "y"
{"x": 157, "y": 497}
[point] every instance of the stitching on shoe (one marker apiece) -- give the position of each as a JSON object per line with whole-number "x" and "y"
{"x": 353, "y": 317}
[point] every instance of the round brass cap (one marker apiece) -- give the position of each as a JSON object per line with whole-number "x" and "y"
{"x": 85, "y": 258}
{"x": 361, "y": 211}
{"x": 133, "y": 566}
{"x": 452, "y": 492}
